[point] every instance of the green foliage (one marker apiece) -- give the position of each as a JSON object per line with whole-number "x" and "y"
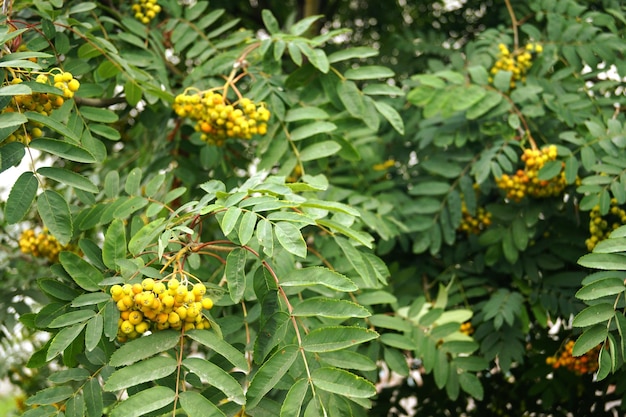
{"x": 382, "y": 215}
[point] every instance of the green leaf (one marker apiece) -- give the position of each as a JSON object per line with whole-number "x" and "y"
{"x": 63, "y": 339}
{"x": 196, "y": 405}
{"x": 319, "y": 150}
{"x": 351, "y": 98}
{"x": 271, "y": 334}
{"x": 90, "y": 299}
{"x": 114, "y": 247}
{"x": 68, "y": 177}
{"x": 472, "y": 385}
{"x": 594, "y": 314}
{"x": 270, "y": 373}
{"x": 614, "y": 244}
{"x": 270, "y": 22}
{"x": 220, "y": 346}
{"x": 11, "y": 154}
{"x": 21, "y": 197}
{"x": 217, "y": 377}
{"x": 339, "y": 381}
{"x": 330, "y": 308}
{"x": 590, "y": 338}
{"x": 348, "y": 359}
{"x": 306, "y": 277}
{"x": 265, "y": 236}
{"x": 11, "y": 121}
{"x": 292, "y": 404}
{"x": 133, "y": 92}
{"x": 53, "y": 124}
{"x": 83, "y": 273}
{"x": 392, "y": 116}
{"x": 132, "y": 186}
{"x": 146, "y": 235}
{"x": 105, "y": 131}
{"x": 50, "y": 395}
{"x": 368, "y": 72}
{"x": 290, "y": 238}
{"x": 55, "y": 213}
{"x": 247, "y": 227}
{"x": 601, "y": 288}
{"x": 491, "y": 100}
{"x": 140, "y": 372}
{"x": 550, "y": 170}
{"x": 360, "y": 52}
{"x": 144, "y": 347}
{"x": 608, "y": 261}
{"x": 229, "y": 220}
{"x": 307, "y": 113}
{"x": 303, "y": 25}
{"x": 328, "y": 339}
{"x": 311, "y": 129}
{"x": 93, "y": 332}
{"x": 502, "y": 81}
{"x": 97, "y": 114}
{"x": 73, "y": 317}
{"x": 236, "y": 273}
{"x": 144, "y": 402}
{"x": 470, "y": 96}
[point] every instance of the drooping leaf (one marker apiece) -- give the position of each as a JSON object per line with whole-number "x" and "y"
{"x": 144, "y": 402}
{"x": 21, "y": 197}
{"x": 68, "y": 177}
{"x": 290, "y": 238}
{"x": 216, "y": 376}
{"x": 328, "y": 339}
{"x": 220, "y": 346}
{"x": 196, "y": 405}
{"x": 56, "y": 216}
{"x": 270, "y": 373}
{"x": 63, "y": 339}
{"x": 144, "y": 371}
{"x": 114, "y": 247}
{"x": 339, "y": 381}
{"x": 82, "y": 272}
{"x": 144, "y": 347}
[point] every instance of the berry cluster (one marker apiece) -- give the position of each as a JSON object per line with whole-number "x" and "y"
{"x": 154, "y": 305}
{"x": 517, "y": 62}
{"x": 474, "y": 224}
{"x": 587, "y": 363}
{"x": 217, "y": 119}
{"x": 43, "y": 103}
{"x": 525, "y": 182}
{"x": 600, "y": 228}
{"x": 146, "y": 10}
{"x": 42, "y": 245}
{"x": 467, "y": 328}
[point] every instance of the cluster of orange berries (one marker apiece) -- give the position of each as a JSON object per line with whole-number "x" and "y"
{"x": 217, "y": 119}
{"x": 42, "y": 245}
{"x": 585, "y": 364}
{"x": 474, "y": 224}
{"x": 517, "y": 62}
{"x": 43, "y": 103}
{"x": 154, "y": 305}
{"x": 467, "y": 328}
{"x": 600, "y": 228}
{"x": 525, "y": 182}
{"x": 146, "y": 10}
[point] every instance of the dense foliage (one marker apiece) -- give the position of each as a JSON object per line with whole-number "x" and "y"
{"x": 314, "y": 214}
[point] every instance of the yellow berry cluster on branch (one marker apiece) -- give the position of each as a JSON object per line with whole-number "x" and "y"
{"x": 217, "y": 119}
{"x": 467, "y": 328}
{"x": 146, "y": 10}
{"x": 517, "y": 62}
{"x": 601, "y": 227}
{"x": 585, "y": 364}
{"x": 42, "y": 103}
{"x": 525, "y": 182}
{"x": 474, "y": 224}
{"x": 153, "y": 305}
{"x": 42, "y": 245}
